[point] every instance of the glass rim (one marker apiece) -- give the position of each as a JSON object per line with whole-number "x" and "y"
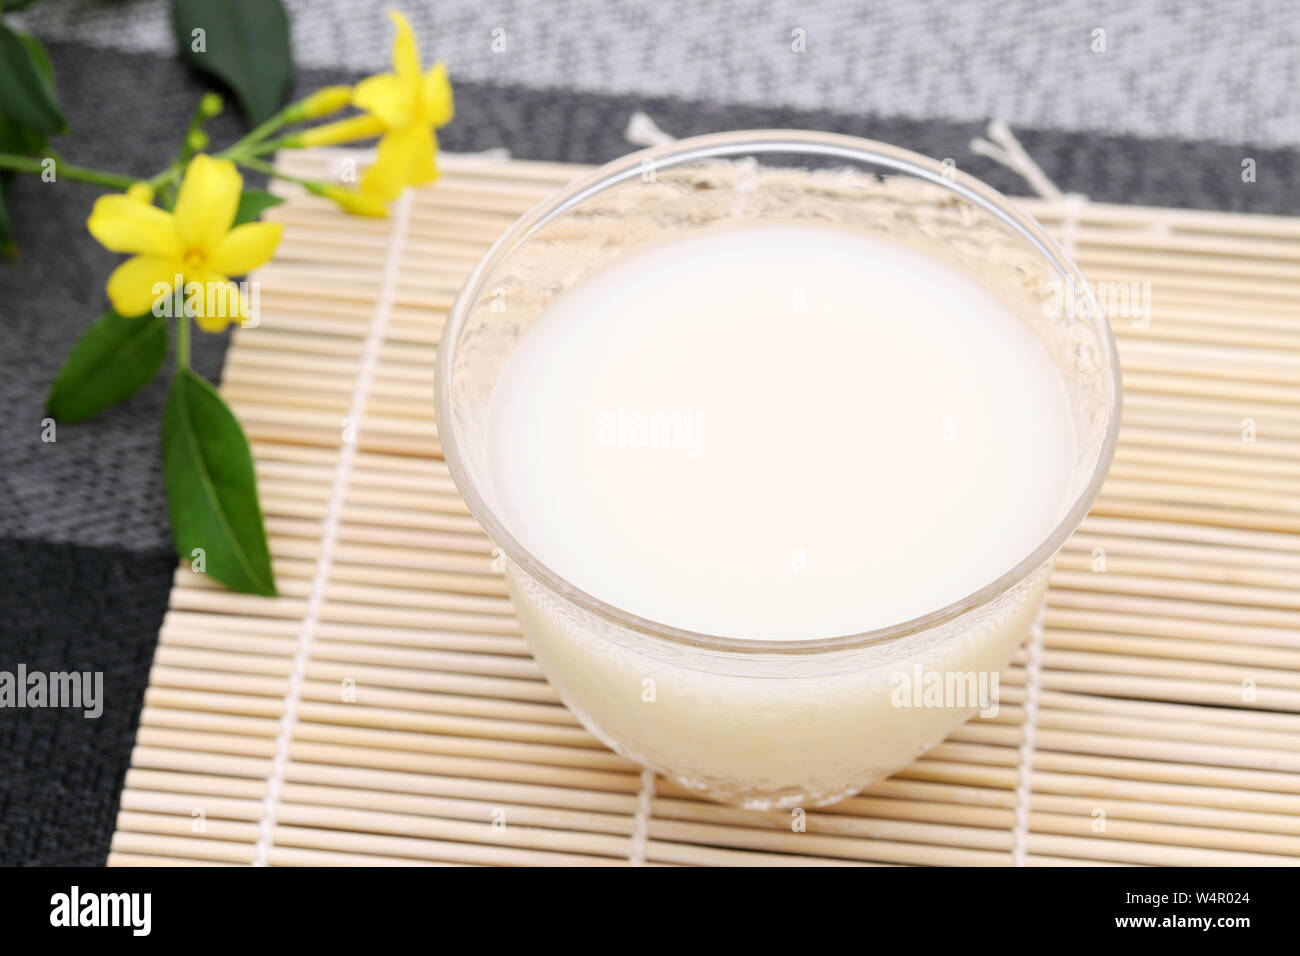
{"x": 741, "y": 143}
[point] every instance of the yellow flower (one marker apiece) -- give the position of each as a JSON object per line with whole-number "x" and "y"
{"x": 196, "y": 242}
{"x": 351, "y": 200}
{"x": 410, "y": 105}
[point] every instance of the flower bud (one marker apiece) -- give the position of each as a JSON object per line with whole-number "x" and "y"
{"x": 340, "y": 131}
{"x": 351, "y": 200}
{"x": 211, "y": 105}
{"x": 324, "y": 102}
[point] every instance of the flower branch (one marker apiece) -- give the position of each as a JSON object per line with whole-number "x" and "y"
{"x": 187, "y": 230}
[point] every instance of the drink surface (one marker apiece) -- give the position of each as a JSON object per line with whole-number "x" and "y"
{"x": 783, "y": 431}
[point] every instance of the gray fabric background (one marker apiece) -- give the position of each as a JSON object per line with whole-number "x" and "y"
{"x": 1223, "y": 71}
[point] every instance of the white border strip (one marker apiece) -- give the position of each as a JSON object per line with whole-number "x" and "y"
{"x": 338, "y": 494}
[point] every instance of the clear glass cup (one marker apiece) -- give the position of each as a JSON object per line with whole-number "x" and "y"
{"x": 759, "y": 723}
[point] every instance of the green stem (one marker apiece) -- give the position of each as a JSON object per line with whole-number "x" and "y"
{"x": 271, "y": 146}
{"x": 259, "y": 133}
{"x": 37, "y": 166}
{"x": 252, "y": 143}
{"x": 182, "y": 335}
{"x": 249, "y": 144}
{"x": 196, "y": 123}
{"x": 249, "y": 162}
{"x": 170, "y": 174}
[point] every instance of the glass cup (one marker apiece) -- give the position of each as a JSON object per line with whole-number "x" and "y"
{"x": 760, "y": 723}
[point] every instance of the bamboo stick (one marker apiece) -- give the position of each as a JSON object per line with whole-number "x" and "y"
{"x": 1209, "y": 554}
{"x": 1211, "y": 572}
{"x": 1153, "y": 218}
{"x": 299, "y": 856}
{"x": 660, "y": 852}
{"x": 1139, "y": 647}
{"x": 430, "y": 849}
{"x": 841, "y": 824}
{"x": 318, "y": 783}
{"x": 1184, "y": 531}
{"x": 555, "y": 771}
{"x": 195, "y": 848}
{"x": 1149, "y": 854}
{"x": 1251, "y": 720}
{"x": 590, "y": 839}
{"x": 180, "y": 783}
{"x": 116, "y": 859}
{"x": 877, "y": 850}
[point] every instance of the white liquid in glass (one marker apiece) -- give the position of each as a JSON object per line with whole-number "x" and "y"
{"x": 782, "y": 431}
{"x": 779, "y": 432}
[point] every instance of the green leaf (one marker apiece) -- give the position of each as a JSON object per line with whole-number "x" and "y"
{"x": 17, "y": 139}
{"x": 40, "y": 58}
{"x": 28, "y": 97}
{"x": 211, "y": 487}
{"x": 114, "y": 359}
{"x": 243, "y": 43}
{"x": 7, "y": 247}
{"x": 254, "y": 202}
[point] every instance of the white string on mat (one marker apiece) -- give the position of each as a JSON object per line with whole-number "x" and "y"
{"x": 641, "y": 822}
{"x": 1073, "y": 204}
{"x": 1028, "y": 733}
{"x": 330, "y": 530}
{"x": 1006, "y": 149}
{"x": 1003, "y": 147}
{"x": 641, "y": 130}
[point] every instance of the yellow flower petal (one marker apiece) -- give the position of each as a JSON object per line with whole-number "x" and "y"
{"x": 406, "y": 54}
{"x": 123, "y": 224}
{"x": 355, "y": 202}
{"x": 387, "y": 98}
{"x": 386, "y": 177}
{"x": 343, "y": 131}
{"x": 245, "y": 247}
{"x": 207, "y": 202}
{"x": 390, "y": 173}
{"x": 137, "y": 284}
{"x": 436, "y": 94}
{"x": 422, "y": 169}
{"x": 214, "y": 300}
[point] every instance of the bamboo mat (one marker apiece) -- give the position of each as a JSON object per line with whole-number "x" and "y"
{"x": 1123, "y": 739}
